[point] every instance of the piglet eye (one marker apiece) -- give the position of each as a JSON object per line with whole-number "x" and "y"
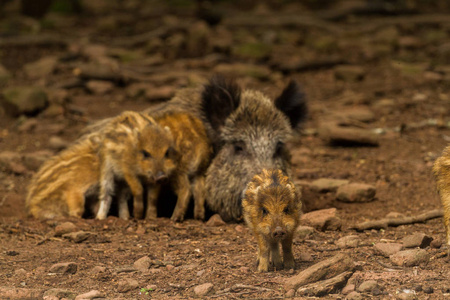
{"x": 146, "y": 154}
{"x": 278, "y": 149}
{"x": 286, "y": 210}
{"x": 264, "y": 211}
{"x": 238, "y": 147}
{"x": 169, "y": 153}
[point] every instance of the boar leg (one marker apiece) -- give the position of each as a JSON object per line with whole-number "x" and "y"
{"x": 124, "y": 213}
{"x": 288, "y": 257}
{"x": 75, "y": 203}
{"x": 183, "y": 191}
{"x": 263, "y": 254}
{"x": 106, "y": 191}
{"x": 138, "y": 194}
{"x": 199, "y": 197}
{"x": 152, "y": 199}
{"x": 276, "y": 258}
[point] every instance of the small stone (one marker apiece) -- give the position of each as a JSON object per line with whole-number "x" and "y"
{"x": 394, "y": 215}
{"x": 28, "y": 125}
{"x": 200, "y": 273}
{"x": 349, "y": 73}
{"x": 358, "y": 113}
{"x": 323, "y": 185}
{"x": 57, "y": 143}
{"x": 159, "y": 93}
{"x": 59, "y": 293}
{"x": 304, "y": 256}
{"x": 94, "y": 294}
{"x": 410, "y": 258}
{"x": 304, "y": 231}
{"x": 203, "y": 289}
{"x": 64, "y": 268}
{"x": 20, "y": 272}
{"x": 99, "y": 87}
{"x": 335, "y": 134}
{"x": 78, "y": 236}
{"x": 387, "y": 249}
{"x": 41, "y": 68}
{"x": 244, "y": 269}
{"x": 26, "y": 100}
{"x": 64, "y": 228}
{"x": 367, "y": 286}
{"x": 356, "y": 192}
{"x": 215, "y": 220}
{"x": 324, "y": 219}
{"x": 417, "y": 240}
{"x": 350, "y": 241}
{"x": 240, "y": 228}
{"x": 126, "y": 285}
{"x": 406, "y": 296}
{"x": 33, "y": 161}
{"x": 350, "y": 287}
{"x": 436, "y": 244}
{"x": 290, "y": 293}
{"x": 141, "y": 230}
{"x": 428, "y": 290}
{"x": 98, "y": 269}
{"x": 143, "y": 264}
{"x": 170, "y": 267}
{"x": 354, "y": 296}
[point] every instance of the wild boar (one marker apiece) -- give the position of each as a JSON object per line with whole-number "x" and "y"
{"x": 272, "y": 209}
{"x": 441, "y": 171}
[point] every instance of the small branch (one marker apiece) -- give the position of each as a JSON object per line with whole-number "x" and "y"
{"x": 385, "y": 223}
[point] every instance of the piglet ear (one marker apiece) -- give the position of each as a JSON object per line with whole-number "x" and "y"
{"x": 292, "y": 103}
{"x": 219, "y": 99}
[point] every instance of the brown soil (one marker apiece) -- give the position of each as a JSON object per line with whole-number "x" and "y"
{"x": 191, "y": 253}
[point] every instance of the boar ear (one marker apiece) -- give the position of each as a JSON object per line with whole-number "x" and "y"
{"x": 293, "y": 104}
{"x": 219, "y": 99}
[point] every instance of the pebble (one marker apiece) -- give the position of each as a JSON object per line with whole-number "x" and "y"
{"x": 417, "y": 240}
{"x": 60, "y": 293}
{"x": 57, "y": 143}
{"x": 215, "y": 220}
{"x": 99, "y": 87}
{"x": 428, "y": 290}
{"x": 41, "y": 68}
{"x": 20, "y": 272}
{"x": 350, "y": 287}
{"x": 203, "y": 289}
{"x": 64, "y": 268}
{"x": 335, "y": 134}
{"x": 94, "y": 294}
{"x": 409, "y": 258}
{"x": 406, "y": 296}
{"x": 354, "y": 296}
{"x": 77, "y": 237}
{"x": 23, "y": 100}
{"x": 98, "y": 269}
{"x": 356, "y": 192}
{"x": 143, "y": 264}
{"x": 304, "y": 231}
{"x": 324, "y": 219}
{"x": 126, "y": 285}
{"x": 290, "y": 293}
{"x": 367, "y": 286}
{"x": 350, "y": 241}
{"x": 387, "y": 249}
{"x": 66, "y": 227}
{"x": 159, "y": 93}
{"x": 33, "y": 161}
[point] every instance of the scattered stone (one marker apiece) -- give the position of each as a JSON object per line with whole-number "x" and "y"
{"x": 41, "y": 68}
{"x": 368, "y": 286}
{"x": 304, "y": 231}
{"x": 335, "y": 134}
{"x": 141, "y": 230}
{"x": 33, "y": 161}
{"x": 64, "y": 268}
{"x": 94, "y": 294}
{"x": 428, "y": 290}
{"x": 59, "y": 293}
{"x": 143, "y": 263}
{"x": 417, "y": 240}
{"x": 305, "y": 256}
{"x": 200, "y": 273}
{"x": 203, "y": 289}
{"x": 98, "y": 269}
{"x": 215, "y": 220}
{"x": 290, "y": 293}
{"x": 20, "y": 272}
{"x": 385, "y": 106}
{"x": 20, "y": 293}
{"x": 394, "y": 215}
{"x": 324, "y": 219}
{"x": 159, "y": 93}
{"x": 356, "y": 192}
{"x": 349, "y": 73}
{"x": 350, "y": 241}
{"x": 410, "y": 258}
{"x": 349, "y": 288}
{"x": 358, "y": 113}
{"x": 126, "y": 285}
{"x": 325, "y": 287}
{"x": 436, "y": 244}
{"x": 323, "y": 185}
{"x": 77, "y": 237}
{"x": 12, "y": 253}
{"x": 325, "y": 269}
{"x": 354, "y": 296}
{"x": 5, "y": 75}
{"x": 244, "y": 269}
{"x": 57, "y": 143}
{"x": 240, "y": 228}
{"x": 410, "y": 295}
{"x": 99, "y": 87}
{"x": 387, "y": 249}
{"x": 64, "y": 228}
{"x": 26, "y": 100}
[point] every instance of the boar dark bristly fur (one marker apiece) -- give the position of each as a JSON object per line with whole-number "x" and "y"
{"x": 272, "y": 208}
{"x": 441, "y": 171}
{"x": 252, "y": 134}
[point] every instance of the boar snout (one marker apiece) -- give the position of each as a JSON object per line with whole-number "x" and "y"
{"x": 160, "y": 176}
{"x": 278, "y": 233}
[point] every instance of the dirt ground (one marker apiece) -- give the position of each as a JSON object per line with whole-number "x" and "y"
{"x": 391, "y": 61}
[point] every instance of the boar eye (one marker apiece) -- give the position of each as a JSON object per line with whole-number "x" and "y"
{"x": 286, "y": 210}
{"x": 169, "y": 153}
{"x": 238, "y": 147}
{"x": 264, "y": 211}
{"x": 279, "y": 149}
{"x": 146, "y": 154}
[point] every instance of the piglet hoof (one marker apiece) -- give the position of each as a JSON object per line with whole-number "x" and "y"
{"x": 288, "y": 265}
{"x": 177, "y": 218}
{"x": 199, "y": 214}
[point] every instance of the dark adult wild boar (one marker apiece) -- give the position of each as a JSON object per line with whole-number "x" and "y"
{"x": 252, "y": 131}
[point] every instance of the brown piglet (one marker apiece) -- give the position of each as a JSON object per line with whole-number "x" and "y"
{"x": 272, "y": 207}
{"x": 441, "y": 171}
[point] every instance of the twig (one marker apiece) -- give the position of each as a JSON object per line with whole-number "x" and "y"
{"x": 388, "y": 266}
{"x": 244, "y": 286}
{"x": 384, "y": 223}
